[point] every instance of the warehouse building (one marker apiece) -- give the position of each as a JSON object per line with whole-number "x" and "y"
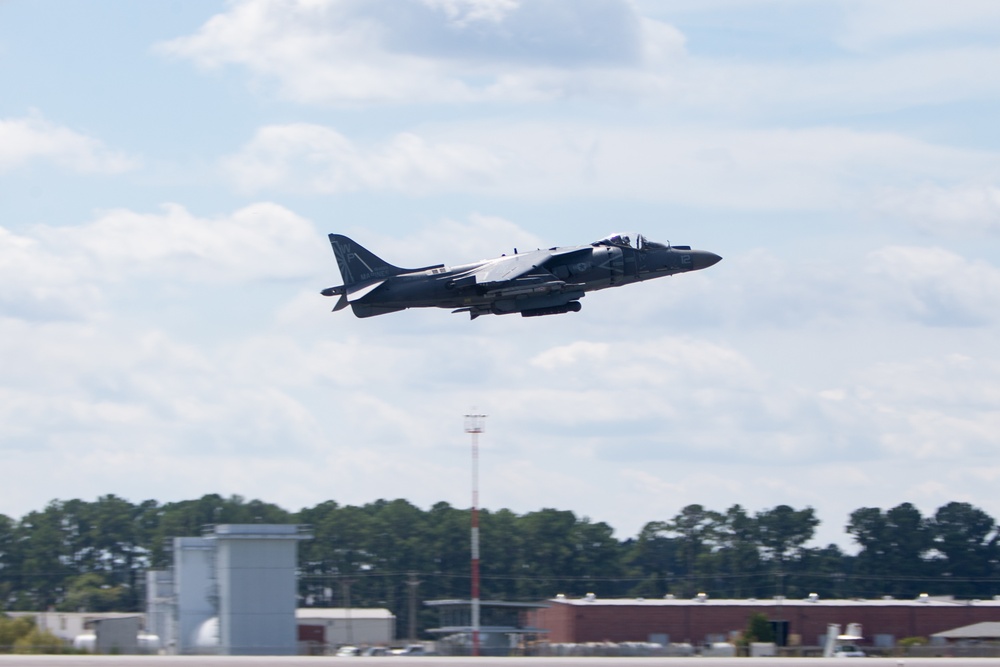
{"x": 324, "y": 628}
{"x": 803, "y": 622}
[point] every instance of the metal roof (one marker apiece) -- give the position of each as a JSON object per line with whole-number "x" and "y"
{"x": 488, "y": 629}
{"x": 341, "y": 613}
{"x": 773, "y": 602}
{"x": 486, "y": 603}
{"x": 984, "y": 630}
{"x": 257, "y": 531}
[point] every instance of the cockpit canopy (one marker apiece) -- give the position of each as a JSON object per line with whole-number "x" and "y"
{"x": 625, "y": 240}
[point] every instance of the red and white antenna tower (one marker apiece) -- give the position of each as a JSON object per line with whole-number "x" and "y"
{"x": 474, "y": 426}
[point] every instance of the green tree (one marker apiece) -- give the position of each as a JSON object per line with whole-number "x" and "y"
{"x": 396, "y": 540}
{"x": 651, "y": 558}
{"x": 8, "y": 559}
{"x": 39, "y": 641}
{"x": 894, "y": 549}
{"x": 782, "y": 532}
{"x": 548, "y": 555}
{"x": 759, "y": 629}
{"x": 46, "y": 556}
{"x": 739, "y": 559}
{"x": 188, "y": 518}
{"x": 597, "y": 556}
{"x": 113, "y": 543}
{"x": 77, "y": 554}
{"x": 339, "y": 547}
{"x": 501, "y": 549}
{"x": 966, "y": 537}
{"x": 909, "y": 543}
{"x": 21, "y": 635}
{"x": 819, "y": 570}
{"x": 12, "y": 629}
{"x": 697, "y": 530}
{"x": 91, "y": 592}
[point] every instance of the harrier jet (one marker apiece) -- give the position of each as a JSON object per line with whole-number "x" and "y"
{"x": 539, "y": 282}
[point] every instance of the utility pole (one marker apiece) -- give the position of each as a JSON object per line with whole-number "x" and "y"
{"x": 345, "y": 587}
{"x": 474, "y": 426}
{"x": 412, "y": 582}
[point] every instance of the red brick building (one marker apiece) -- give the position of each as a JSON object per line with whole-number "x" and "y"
{"x": 702, "y": 620}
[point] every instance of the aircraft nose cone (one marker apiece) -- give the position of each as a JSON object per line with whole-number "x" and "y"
{"x": 703, "y": 259}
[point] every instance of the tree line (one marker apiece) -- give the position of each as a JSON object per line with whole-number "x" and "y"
{"x": 78, "y": 555}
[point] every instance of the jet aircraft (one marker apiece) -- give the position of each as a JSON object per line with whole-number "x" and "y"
{"x": 539, "y": 282}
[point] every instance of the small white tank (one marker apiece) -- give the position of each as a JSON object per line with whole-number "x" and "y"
{"x": 149, "y": 644}
{"x": 206, "y": 637}
{"x": 85, "y": 642}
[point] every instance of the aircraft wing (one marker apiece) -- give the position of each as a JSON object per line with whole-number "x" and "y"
{"x": 510, "y": 268}
{"x": 516, "y": 275}
{"x": 521, "y": 270}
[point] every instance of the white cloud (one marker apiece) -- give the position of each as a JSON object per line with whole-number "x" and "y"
{"x": 653, "y": 363}
{"x": 464, "y": 12}
{"x": 839, "y": 86}
{"x": 453, "y": 242}
{"x": 887, "y": 287}
{"x": 766, "y": 290}
{"x": 38, "y": 283}
{"x": 872, "y": 24}
{"x": 346, "y": 52}
{"x": 935, "y": 285}
{"x": 259, "y": 242}
{"x": 112, "y": 401}
{"x": 944, "y": 210}
{"x": 938, "y": 408}
{"x": 317, "y": 159}
{"x": 83, "y": 272}
{"x": 34, "y": 139}
{"x": 706, "y": 166}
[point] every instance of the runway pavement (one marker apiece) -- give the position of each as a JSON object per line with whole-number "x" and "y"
{"x": 396, "y": 661}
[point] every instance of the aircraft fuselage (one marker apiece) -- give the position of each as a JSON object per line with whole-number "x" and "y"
{"x": 540, "y": 282}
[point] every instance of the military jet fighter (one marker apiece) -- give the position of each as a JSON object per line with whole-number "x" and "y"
{"x": 540, "y": 282}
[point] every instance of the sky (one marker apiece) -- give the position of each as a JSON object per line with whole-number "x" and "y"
{"x": 169, "y": 173}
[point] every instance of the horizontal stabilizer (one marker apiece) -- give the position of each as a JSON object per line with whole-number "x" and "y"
{"x": 349, "y": 294}
{"x": 353, "y": 294}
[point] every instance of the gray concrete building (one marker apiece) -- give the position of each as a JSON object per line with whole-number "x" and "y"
{"x": 231, "y": 591}
{"x": 256, "y": 573}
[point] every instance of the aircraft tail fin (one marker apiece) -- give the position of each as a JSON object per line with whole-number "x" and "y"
{"x": 358, "y": 264}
